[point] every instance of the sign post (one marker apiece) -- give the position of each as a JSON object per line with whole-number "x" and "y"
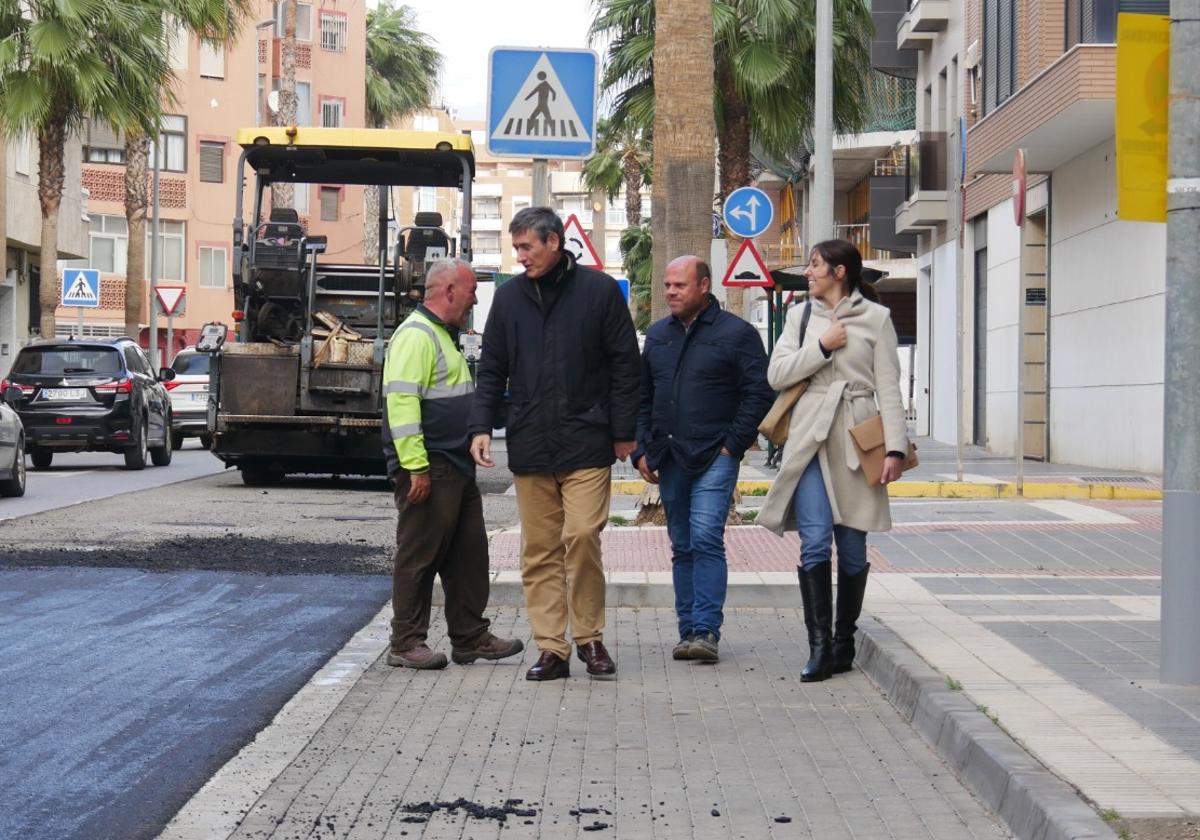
{"x": 171, "y": 299}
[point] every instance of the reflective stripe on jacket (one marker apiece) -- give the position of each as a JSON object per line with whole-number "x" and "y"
{"x": 427, "y": 390}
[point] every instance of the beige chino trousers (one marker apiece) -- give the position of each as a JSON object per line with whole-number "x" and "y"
{"x": 562, "y": 515}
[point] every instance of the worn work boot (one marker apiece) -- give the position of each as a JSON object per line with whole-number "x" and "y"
{"x": 850, "y": 592}
{"x": 420, "y": 657}
{"x": 816, "y": 590}
{"x": 682, "y": 649}
{"x": 490, "y": 647}
{"x": 704, "y": 648}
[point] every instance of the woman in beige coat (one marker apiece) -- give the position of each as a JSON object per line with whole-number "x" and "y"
{"x": 848, "y": 355}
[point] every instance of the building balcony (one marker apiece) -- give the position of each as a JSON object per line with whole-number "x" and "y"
{"x": 927, "y": 204}
{"x": 920, "y": 23}
{"x": 1062, "y": 112}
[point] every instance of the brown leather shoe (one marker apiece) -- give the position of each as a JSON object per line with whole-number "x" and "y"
{"x": 599, "y": 663}
{"x": 491, "y": 647}
{"x": 420, "y": 657}
{"x": 549, "y": 667}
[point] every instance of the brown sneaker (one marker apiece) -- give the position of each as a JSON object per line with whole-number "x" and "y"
{"x": 420, "y": 657}
{"x": 492, "y": 647}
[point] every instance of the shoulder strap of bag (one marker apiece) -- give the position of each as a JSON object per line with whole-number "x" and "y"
{"x": 804, "y": 320}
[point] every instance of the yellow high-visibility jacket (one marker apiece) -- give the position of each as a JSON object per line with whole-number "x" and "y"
{"x": 427, "y": 390}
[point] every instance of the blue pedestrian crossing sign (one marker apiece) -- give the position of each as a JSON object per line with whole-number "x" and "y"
{"x": 748, "y": 212}
{"x": 81, "y": 287}
{"x": 542, "y": 103}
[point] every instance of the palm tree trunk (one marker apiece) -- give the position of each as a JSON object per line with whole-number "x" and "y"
{"x": 283, "y": 194}
{"x": 733, "y": 158}
{"x": 137, "y": 156}
{"x": 684, "y": 131}
{"x": 370, "y": 239}
{"x": 633, "y": 189}
{"x": 52, "y": 141}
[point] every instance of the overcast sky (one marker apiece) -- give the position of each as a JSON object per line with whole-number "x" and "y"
{"x": 466, "y": 32}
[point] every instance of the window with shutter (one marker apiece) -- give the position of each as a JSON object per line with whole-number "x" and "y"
{"x": 999, "y": 52}
{"x": 329, "y": 204}
{"x": 105, "y": 144}
{"x": 212, "y": 162}
{"x": 212, "y": 60}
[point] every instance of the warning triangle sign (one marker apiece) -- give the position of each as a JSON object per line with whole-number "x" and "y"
{"x": 577, "y": 242}
{"x": 80, "y": 292}
{"x": 169, "y": 297}
{"x": 542, "y": 109}
{"x": 747, "y": 268}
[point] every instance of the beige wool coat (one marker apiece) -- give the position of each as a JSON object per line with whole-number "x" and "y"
{"x": 858, "y": 381}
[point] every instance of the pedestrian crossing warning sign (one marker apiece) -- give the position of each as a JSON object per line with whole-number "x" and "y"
{"x": 542, "y": 103}
{"x": 81, "y": 287}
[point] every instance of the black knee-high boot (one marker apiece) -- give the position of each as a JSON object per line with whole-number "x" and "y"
{"x": 850, "y": 591}
{"x": 816, "y": 590}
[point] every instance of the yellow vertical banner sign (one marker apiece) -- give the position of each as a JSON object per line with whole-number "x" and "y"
{"x": 788, "y": 235}
{"x": 1143, "y": 71}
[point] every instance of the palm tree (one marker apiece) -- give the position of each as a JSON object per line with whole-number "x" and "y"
{"x": 684, "y": 132}
{"x": 283, "y": 194}
{"x": 621, "y": 159}
{"x": 216, "y": 22}
{"x": 65, "y": 61}
{"x": 402, "y": 71}
{"x": 637, "y": 257}
{"x": 763, "y": 64}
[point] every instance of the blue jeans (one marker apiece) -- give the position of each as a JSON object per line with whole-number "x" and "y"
{"x": 696, "y": 510}
{"x": 814, "y": 521}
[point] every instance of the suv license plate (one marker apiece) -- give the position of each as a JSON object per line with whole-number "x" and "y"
{"x": 199, "y": 396}
{"x": 64, "y": 393}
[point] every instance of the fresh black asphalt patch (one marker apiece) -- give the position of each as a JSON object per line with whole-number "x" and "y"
{"x": 122, "y": 692}
{"x": 224, "y": 553}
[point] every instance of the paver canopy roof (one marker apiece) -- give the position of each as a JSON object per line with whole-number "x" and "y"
{"x": 358, "y": 155}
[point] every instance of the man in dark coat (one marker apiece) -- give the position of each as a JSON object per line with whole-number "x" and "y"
{"x": 704, "y": 392}
{"x": 560, "y": 364}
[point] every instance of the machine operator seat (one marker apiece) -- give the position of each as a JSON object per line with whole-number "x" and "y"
{"x": 426, "y": 233}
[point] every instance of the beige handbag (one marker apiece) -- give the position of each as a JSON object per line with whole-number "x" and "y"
{"x": 868, "y": 441}
{"x": 774, "y": 427}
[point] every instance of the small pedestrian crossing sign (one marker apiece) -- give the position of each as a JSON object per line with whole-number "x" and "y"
{"x": 542, "y": 103}
{"x": 81, "y": 287}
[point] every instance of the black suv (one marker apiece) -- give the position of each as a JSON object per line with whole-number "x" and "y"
{"x": 95, "y": 395}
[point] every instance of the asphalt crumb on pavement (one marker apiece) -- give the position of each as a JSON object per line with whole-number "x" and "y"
{"x": 421, "y": 811}
{"x": 226, "y": 553}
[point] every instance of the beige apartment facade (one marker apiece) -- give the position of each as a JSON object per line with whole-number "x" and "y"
{"x": 219, "y": 91}
{"x": 1055, "y": 322}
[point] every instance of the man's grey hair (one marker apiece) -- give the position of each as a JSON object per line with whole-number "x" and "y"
{"x": 443, "y": 272}
{"x": 541, "y": 220}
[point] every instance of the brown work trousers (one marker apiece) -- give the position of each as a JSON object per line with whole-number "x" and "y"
{"x": 443, "y": 536}
{"x": 562, "y": 515}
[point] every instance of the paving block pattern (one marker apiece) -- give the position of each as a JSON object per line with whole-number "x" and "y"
{"x": 669, "y": 749}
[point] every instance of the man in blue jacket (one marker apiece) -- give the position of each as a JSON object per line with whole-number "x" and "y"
{"x": 704, "y": 392}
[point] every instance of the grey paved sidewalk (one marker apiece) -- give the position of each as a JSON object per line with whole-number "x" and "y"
{"x": 667, "y": 750}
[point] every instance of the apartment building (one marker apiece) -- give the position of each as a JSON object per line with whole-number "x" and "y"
{"x": 219, "y": 90}
{"x": 21, "y": 280}
{"x": 1053, "y": 316}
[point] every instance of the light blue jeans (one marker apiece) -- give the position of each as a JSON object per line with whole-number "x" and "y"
{"x": 814, "y": 521}
{"x": 696, "y": 510}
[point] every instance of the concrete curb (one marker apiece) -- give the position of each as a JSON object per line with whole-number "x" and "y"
{"x": 1034, "y": 803}
{"x": 959, "y": 490}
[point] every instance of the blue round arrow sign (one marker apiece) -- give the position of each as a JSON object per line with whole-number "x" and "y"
{"x": 748, "y": 212}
